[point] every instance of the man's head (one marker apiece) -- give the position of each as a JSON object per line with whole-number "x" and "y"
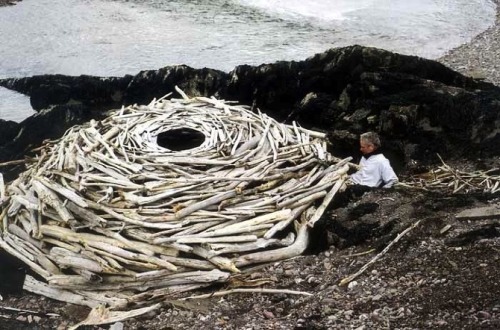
{"x": 369, "y": 142}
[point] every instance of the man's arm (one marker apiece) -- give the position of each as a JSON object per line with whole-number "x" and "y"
{"x": 389, "y": 178}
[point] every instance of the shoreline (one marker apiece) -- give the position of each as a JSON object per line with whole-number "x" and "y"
{"x": 480, "y": 57}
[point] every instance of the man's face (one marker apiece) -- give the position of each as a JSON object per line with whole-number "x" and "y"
{"x": 366, "y": 147}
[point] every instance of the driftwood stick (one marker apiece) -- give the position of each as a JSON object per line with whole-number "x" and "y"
{"x": 326, "y": 201}
{"x": 378, "y": 256}
{"x": 13, "y": 162}
{"x": 240, "y": 290}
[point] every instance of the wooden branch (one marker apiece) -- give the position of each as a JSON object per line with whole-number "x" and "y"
{"x": 256, "y": 290}
{"x": 348, "y": 279}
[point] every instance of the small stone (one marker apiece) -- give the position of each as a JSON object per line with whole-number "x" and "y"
{"x": 255, "y": 275}
{"x": 268, "y": 314}
{"x": 352, "y": 285}
{"x": 377, "y": 297}
{"x": 116, "y": 326}
{"x": 348, "y": 314}
{"x": 483, "y": 315}
{"x": 62, "y": 326}
{"x": 312, "y": 279}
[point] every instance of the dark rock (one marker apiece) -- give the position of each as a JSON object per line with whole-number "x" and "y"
{"x": 147, "y": 85}
{"x": 486, "y": 232}
{"x": 45, "y": 125}
{"x": 419, "y": 106}
{"x": 12, "y": 274}
{"x": 8, "y": 130}
{"x": 48, "y": 90}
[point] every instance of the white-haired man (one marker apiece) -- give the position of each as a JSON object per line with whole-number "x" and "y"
{"x": 375, "y": 170}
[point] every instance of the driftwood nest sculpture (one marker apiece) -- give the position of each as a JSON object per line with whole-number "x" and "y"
{"x": 106, "y": 214}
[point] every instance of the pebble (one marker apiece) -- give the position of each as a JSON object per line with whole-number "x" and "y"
{"x": 312, "y": 279}
{"x": 116, "y": 326}
{"x": 483, "y": 315}
{"x": 255, "y": 275}
{"x": 268, "y": 314}
{"x": 441, "y": 322}
{"x": 348, "y": 314}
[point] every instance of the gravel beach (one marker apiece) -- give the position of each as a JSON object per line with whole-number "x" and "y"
{"x": 479, "y": 58}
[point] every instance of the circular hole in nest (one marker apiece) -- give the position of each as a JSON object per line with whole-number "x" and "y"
{"x": 180, "y": 139}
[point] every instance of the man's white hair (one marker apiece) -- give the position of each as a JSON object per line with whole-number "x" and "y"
{"x": 372, "y": 138}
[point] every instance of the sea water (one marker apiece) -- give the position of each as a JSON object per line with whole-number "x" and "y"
{"x": 118, "y": 37}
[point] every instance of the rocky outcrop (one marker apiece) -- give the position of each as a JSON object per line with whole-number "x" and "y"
{"x": 49, "y": 90}
{"x": 419, "y": 106}
{"x": 8, "y": 2}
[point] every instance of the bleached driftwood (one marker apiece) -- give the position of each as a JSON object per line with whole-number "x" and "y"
{"x": 452, "y": 180}
{"x": 105, "y": 213}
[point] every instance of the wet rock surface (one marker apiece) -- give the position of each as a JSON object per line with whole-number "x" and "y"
{"x": 420, "y": 107}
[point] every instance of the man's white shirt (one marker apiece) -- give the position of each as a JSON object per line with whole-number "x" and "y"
{"x": 376, "y": 171}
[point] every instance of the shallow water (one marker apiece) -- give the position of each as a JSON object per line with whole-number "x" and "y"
{"x": 117, "y": 37}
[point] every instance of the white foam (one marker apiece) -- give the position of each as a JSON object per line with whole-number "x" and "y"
{"x": 320, "y": 9}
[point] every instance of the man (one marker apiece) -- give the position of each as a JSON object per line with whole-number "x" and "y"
{"x": 375, "y": 171}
